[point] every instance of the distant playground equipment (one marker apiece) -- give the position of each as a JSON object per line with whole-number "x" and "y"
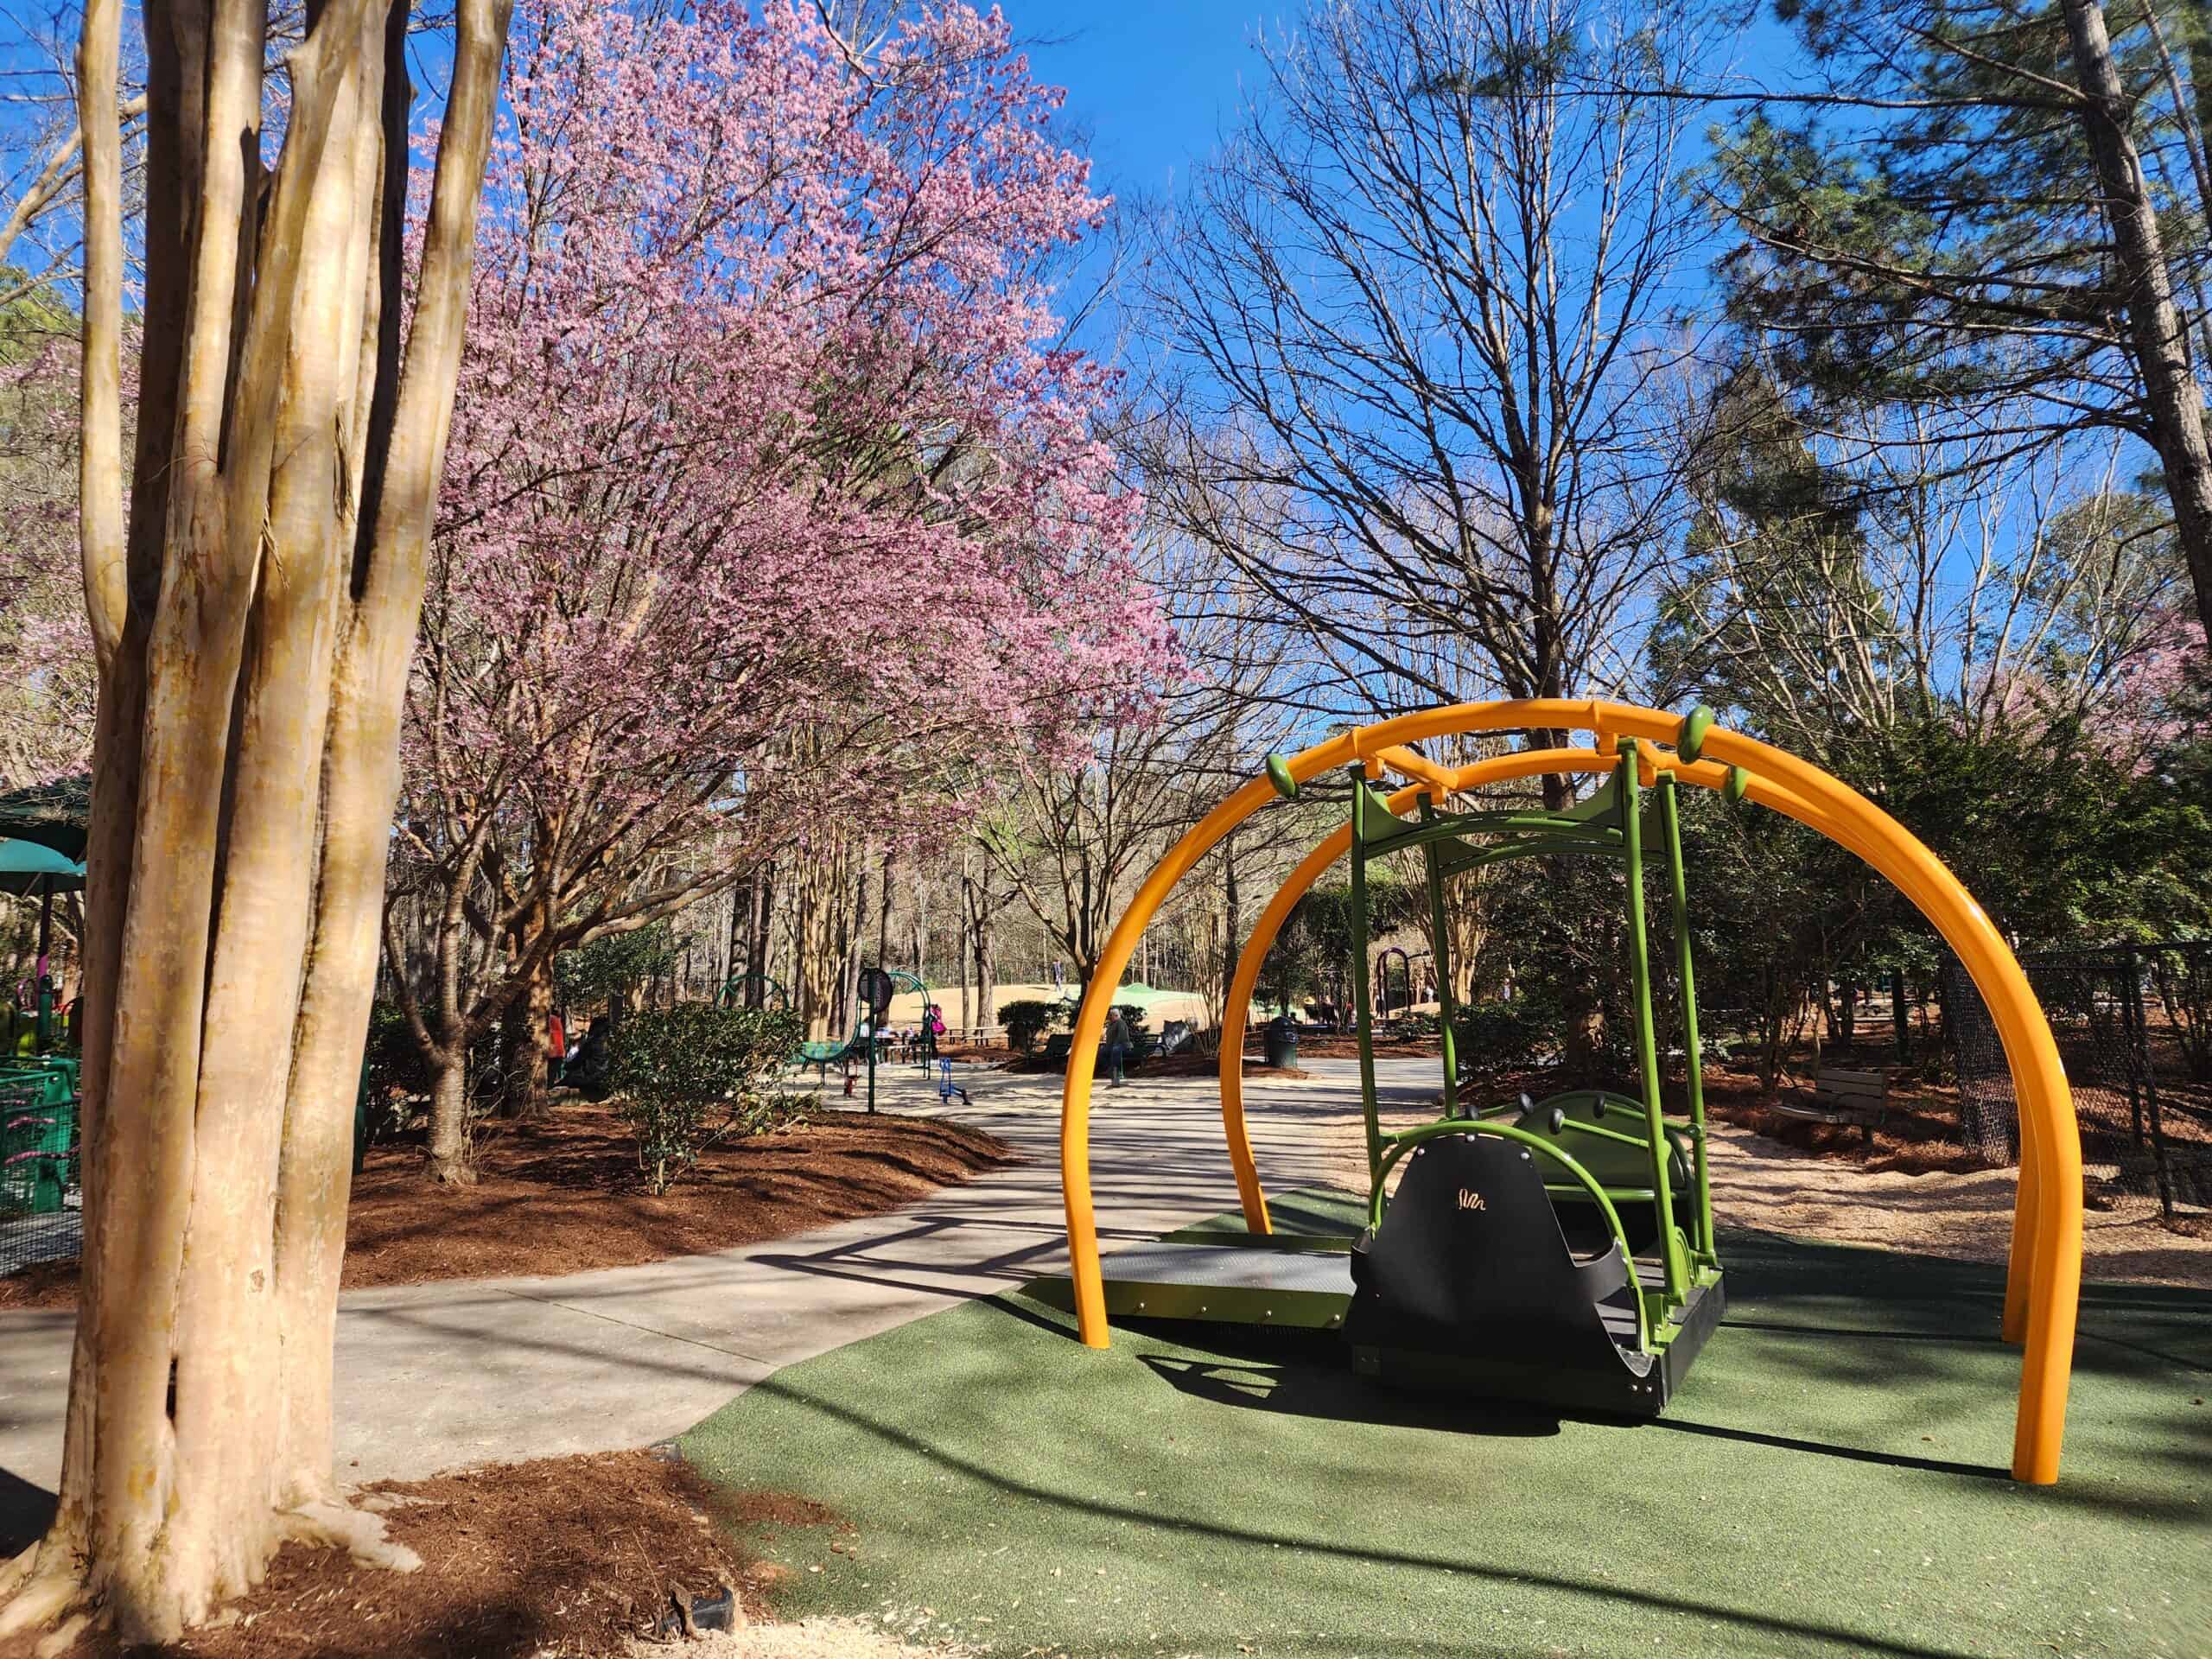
{"x": 737, "y": 991}
{"x": 38, "y": 1083}
{"x": 1560, "y": 1251}
{"x": 1389, "y": 1006}
{"x": 947, "y": 1089}
{"x": 31, "y": 869}
{"x": 860, "y": 1047}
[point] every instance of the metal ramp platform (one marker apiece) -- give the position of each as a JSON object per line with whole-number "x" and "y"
{"x": 1293, "y": 1283}
{"x": 1236, "y": 1283}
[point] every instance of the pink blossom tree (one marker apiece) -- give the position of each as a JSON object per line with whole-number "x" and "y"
{"x": 47, "y": 693}
{"x": 771, "y": 508}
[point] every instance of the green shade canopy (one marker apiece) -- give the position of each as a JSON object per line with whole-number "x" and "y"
{"x": 28, "y": 868}
{"x": 56, "y": 814}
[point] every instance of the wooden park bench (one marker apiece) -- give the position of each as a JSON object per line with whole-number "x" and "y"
{"x": 1842, "y": 1095}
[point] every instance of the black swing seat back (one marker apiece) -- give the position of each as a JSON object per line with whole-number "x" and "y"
{"x": 1469, "y": 1285}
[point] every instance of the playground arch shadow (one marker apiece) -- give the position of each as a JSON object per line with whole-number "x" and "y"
{"x": 1313, "y": 1391}
{"x": 1308, "y": 1374}
{"x": 1760, "y": 1624}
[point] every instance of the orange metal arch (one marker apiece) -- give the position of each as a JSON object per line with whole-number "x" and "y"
{"x": 2043, "y": 1288}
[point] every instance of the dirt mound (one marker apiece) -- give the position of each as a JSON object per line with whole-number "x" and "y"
{"x": 1917, "y": 1188}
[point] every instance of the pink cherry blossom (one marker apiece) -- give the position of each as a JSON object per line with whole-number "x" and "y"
{"x": 45, "y": 705}
{"x": 772, "y": 503}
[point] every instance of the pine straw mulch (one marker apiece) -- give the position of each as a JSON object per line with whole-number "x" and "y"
{"x": 575, "y": 1557}
{"x": 1917, "y": 1187}
{"x": 562, "y": 1195}
{"x": 973, "y": 1053}
{"x": 1919, "y": 1135}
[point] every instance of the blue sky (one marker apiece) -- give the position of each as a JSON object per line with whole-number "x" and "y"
{"x": 1148, "y": 81}
{"x": 1151, "y": 85}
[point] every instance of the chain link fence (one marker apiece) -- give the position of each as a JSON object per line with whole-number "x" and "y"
{"x": 2134, "y": 1029}
{"x": 42, "y": 1204}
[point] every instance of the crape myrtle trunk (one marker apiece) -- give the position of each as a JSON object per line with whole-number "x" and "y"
{"x": 253, "y": 618}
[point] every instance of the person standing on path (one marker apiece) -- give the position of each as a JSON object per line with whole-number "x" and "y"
{"x": 1117, "y": 1043}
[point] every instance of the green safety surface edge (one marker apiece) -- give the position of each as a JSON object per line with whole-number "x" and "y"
{"x": 1831, "y": 1481}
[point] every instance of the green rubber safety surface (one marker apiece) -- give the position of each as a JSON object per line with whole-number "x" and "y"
{"x": 1830, "y": 1481}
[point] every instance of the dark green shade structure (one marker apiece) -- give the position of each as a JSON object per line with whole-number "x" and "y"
{"x": 57, "y": 815}
{"x": 32, "y": 870}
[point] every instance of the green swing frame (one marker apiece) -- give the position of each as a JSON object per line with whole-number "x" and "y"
{"x": 1610, "y": 823}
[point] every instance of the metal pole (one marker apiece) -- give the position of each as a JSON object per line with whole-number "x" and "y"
{"x": 1442, "y": 956}
{"x": 1362, "y": 1006}
{"x": 1693, "y": 1051}
{"x": 1628, "y": 799}
{"x": 44, "y": 990}
{"x": 871, "y": 1023}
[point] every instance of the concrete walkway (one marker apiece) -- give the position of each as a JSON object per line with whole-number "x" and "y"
{"x": 433, "y": 1377}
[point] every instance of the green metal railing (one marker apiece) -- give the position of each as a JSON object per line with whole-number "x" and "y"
{"x": 1611, "y": 824}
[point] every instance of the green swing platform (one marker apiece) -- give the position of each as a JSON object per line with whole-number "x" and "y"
{"x": 1557, "y": 1251}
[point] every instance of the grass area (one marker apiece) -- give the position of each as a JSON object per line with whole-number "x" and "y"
{"x": 1832, "y": 1481}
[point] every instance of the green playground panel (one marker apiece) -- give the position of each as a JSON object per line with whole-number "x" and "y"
{"x": 38, "y": 1131}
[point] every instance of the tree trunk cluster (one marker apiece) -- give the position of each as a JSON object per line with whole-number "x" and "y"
{"x": 253, "y": 616}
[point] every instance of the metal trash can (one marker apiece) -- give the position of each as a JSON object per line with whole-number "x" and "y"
{"x": 1280, "y": 1043}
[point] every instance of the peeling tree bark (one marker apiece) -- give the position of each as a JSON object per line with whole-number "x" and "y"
{"x": 254, "y": 619}
{"x": 524, "y": 1033}
{"x": 822, "y": 931}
